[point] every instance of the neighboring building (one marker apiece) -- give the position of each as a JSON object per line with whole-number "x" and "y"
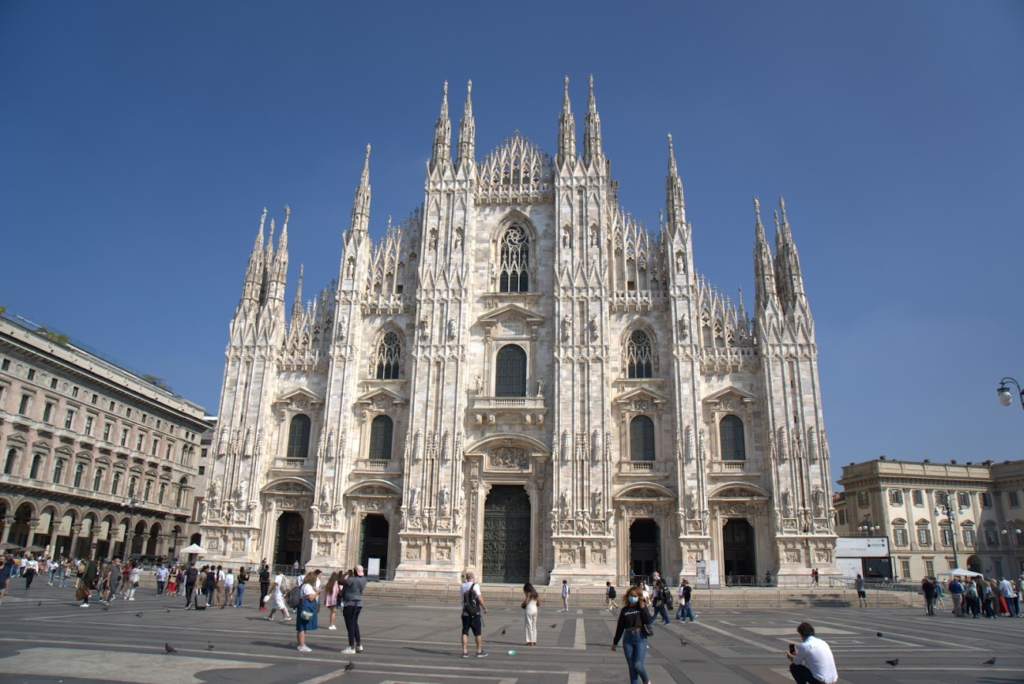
{"x": 902, "y": 498}
{"x": 522, "y": 380}
{"x": 96, "y": 460}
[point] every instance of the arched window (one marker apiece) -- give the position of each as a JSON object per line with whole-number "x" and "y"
{"x": 510, "y": 372}
{"x": 730, "y": 431}
{"x": 179, "y": 499}
{"x": 97, "y": 479}
{"x": 148, "y": 491}
{"x": 298, "y": 437}
{"x": 163, "y": 492}
{"x": 388, "y": 353}
{"x": 515, "y": 261}
{"x": 37, "y": 463}
{"x": 115, "y": 484}
{"x": 639, "y": 356}
{"x": 58, "y": 470}
{"x": 381, "y": 431}
{"x": 12, "y": 459}
{"x": 79, "y": 474}
{"x": 132, "y": 484}
{"x": 641, "y": 439}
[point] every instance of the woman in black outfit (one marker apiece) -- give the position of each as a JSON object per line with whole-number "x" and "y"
{"x": 630, "y": 630}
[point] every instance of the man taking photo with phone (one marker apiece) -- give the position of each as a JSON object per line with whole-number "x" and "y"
{"x": 811, "y": 660}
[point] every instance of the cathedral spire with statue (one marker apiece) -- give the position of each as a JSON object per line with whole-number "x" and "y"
{"x": 523, "y": 380}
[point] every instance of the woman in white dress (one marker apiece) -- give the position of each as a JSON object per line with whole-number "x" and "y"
{"x": 530, "y": 604}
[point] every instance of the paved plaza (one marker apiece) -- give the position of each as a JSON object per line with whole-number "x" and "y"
{"x": 46, "y": 637}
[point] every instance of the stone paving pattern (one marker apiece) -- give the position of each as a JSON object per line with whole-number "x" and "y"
{"x": 45, "y": 637}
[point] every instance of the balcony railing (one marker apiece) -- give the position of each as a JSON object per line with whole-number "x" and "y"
{"x": 374, "y": 465}
{"x": 645, "y": 468}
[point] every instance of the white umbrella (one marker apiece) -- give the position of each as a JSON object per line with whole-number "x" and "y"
{"x": 960, "y": 572}
{"x": 193, "y": 548}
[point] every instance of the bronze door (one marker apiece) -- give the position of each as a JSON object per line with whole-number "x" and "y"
{"x": 507, "y": 535}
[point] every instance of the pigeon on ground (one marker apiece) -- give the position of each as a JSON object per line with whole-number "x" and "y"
{"x": 138, "y": 615}
{"x": 879, "y": 635}
{"x": 684, "y": 642}
{"x": 554, "y": 625}
{"x": 39, "y": 604}
{"x": 894, "y": 662}
{"x": 503, "y": 632}
{"x": 106, "y": 608}
{"x": 209, "y": 646}
{"x": 168, "y": 610}
{"x": 990, "y": 661}
{"x": 170, "y": 649}
{"x": 351, "y": 666}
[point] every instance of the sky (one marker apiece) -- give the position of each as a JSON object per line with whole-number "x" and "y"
{"x": 139, "y": 143}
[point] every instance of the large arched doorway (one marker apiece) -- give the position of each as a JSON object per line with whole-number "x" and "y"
{"x": 974, "y": 564}
{"x": 154, "y": 539}
{"x": 644, "y": 548}
{"x": 373, "y": 542}
{"x": 738, "y": 552}
{"x": 507, "y": 535}
{"x": 20, "y": 527}
{"x": 288, "y": 546}
{"x": 138, "y": 538}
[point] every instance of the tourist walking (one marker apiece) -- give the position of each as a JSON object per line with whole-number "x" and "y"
{"x": 609, "y": 596}
{"x": 31, "y": 570}
{"x": 264, "y": 585}
{"x": 354, "y": 581}
{"x": 814, "y": 577}
{"x": 134, "y": 575}
{"x": 565, "y": 596}
{"x": 332, "y": 592}
{"x": 112, "y": 578}
{"x": 6, "y": 572}
{"x": 209, "y": 584}
{"x": 685, "y": 595}
{"x": 473, "y": 607}
{"x": 530, "y": 605}
{"x": 218, "y": 587}
{"x": 160, "y": 575}
{"x": 659, "y": 602}
{"x": 276, "y": 598}
{"x": 1006, "y": 596}
{"x": 631, "y": 629}
{"x": 172, "y": 581}
{"x": 973, "y": 592}
{"x": 306, "y": 618}
{"x": 191, "y": 588}
{"x": 862, "y": 596}
{"x": 956, "y": 590}
{"x": 240, "y": 581}
{"x": 229, "y": 589}
{"x": 86, "y": 581}
{"x": 928, "y": 590}
{"x": 811, "y": 661}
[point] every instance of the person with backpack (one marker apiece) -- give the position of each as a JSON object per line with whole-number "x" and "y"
{"x": 276, "y": 598}
{"x": 662, "y": 601}
{"x": 685, "y": 607}
{"x": 210, "y": 585}
{"x": 472, "y": 605}
{"x": 609, "y": 596}
{"x": 191, "y": 579}
{"x": 354, "y": 582}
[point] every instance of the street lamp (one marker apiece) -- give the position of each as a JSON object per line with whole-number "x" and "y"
{"x": 865, "y": 528}
{"x": 1011, "y": 530}
{"x": 944, "y": 510}
{"x": 1006, "y": 396}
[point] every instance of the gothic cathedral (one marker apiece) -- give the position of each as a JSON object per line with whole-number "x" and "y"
{"x": 522, "y": 380}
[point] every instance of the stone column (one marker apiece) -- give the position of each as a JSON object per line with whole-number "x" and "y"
{"x": 8, "y": 523}
{"x": 32, "y": 523}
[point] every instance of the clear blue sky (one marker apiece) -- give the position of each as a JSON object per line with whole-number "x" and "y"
{"x": 139, "y": 142}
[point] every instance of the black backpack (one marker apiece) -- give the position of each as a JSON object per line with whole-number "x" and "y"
{"x": 471, "y": 602}
{"x": 611, "y": 592}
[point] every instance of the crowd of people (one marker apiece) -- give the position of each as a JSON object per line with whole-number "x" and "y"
{"x": 974, "y": 596}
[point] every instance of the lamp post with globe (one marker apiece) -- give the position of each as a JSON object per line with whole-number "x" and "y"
{"x": 1006, "y": 394}
{"x": 1012, "y": 528}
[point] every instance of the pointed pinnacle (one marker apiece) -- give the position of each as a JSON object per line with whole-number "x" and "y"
{"x": 758, "y": 226}
{"x": 287, "y": 213}
{"x": 364, "y": 179}
{"x": 468, "y": 111}
{"x": 444, "y": 102}
{"x": 671, "y": 157}
{"x": 591, "y": 102}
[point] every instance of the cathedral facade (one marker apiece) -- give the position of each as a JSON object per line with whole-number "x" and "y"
{"x": 522, "y": 380}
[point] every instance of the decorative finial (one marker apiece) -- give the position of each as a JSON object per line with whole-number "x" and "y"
{"x": 367, "y": 153}
{"x": 775, "y": 214}
{"x": 263, "y": 217}
{"x": 446, "y": 89}
{"x": 287, "y": 213}
{"x": 757, "y": 207}
{"x": 782, "y": 206}
{"x": 469, "y": 87}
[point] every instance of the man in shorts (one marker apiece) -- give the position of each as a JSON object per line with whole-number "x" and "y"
{"x": 472, "y": 622}
{"x": 113, "y": 580}
{"x": 277, "y": 599}
{"x": 862, "y": 596}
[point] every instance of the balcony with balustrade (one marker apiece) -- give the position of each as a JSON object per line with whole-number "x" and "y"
{"x": 519, "y": 410}
{"x": 643, "y": 469}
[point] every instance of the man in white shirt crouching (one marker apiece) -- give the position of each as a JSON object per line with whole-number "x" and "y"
{"x": 812, "y": 661}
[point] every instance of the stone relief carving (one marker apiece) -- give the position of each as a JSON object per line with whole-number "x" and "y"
{"x": 508, "y": 457}
{"x": 214, "y": 497}
{"x": 566, "y": 446}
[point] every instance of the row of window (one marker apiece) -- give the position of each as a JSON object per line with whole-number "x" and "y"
{"x": 70, "y": 422}
{"x": 128, "y": 412}
{"x": 641, "y": 438}
{"x": 942, "y": 498}
{"x": 78, "y": 480}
